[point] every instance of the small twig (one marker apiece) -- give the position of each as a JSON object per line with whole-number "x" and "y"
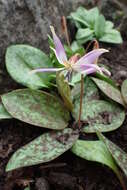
{"x": 81, "y": 99}
{"x": 65, "y": 29}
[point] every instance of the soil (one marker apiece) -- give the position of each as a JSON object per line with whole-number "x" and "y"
{"x": 68, "y": 172}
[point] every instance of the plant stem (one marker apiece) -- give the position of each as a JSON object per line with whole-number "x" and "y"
{"x": 121, "y": 180}
{"x": 65, "y": 29}
{"x": 81, "y": 99}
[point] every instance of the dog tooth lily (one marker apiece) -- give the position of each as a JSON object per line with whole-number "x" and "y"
{"x": 84, "y": 65}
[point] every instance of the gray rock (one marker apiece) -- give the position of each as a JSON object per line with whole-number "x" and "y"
{"x": 123, "y": 26}
{"x": 112, "y": 10}
{"x": 28, "y": 21}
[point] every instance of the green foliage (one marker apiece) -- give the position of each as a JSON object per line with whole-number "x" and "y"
{"x": 100, "y": 115}
{"x": 21, "y": 59}
{"x": 94, "y": 151}
{"x": 124, "y": 90}
{"x": 43, "y": 149}
{"x": 47, "y": 110}
{"x": 117, "y": 153}
{"x": 110, "y": 91}
{"x": 37, "y": 108}
{"x": 91, "y": 24}
{"x": 3, "y": 113}
{"x": 64, "y": 90}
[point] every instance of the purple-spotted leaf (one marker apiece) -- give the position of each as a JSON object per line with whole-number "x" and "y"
{"x": 21, "y": 59}
{"x": 117, "y": 153}
{"x": 3, "y": 113}
{"x": 37, "y": 108}
{"x": 124, "y": 90}
{"x": 43, "y": 149}
{"x": 101, "y": 115}
{"x": 64, "y": 90}
{"x": 90, "y": 91}
{"x": 109, "y": 90}
{"x": 94, "y": 151}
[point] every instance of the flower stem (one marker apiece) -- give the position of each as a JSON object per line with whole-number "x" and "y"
{"x": 65, "y": 29}
{"x": 81, "y": 99}
{"x": 121, "y": 180}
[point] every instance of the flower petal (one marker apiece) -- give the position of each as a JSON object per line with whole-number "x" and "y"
{"x": 83, "y": 67}
{"x": 59, "y": 49}
{"x": 89, "y": 71}
{"x": 46, "y": 70}
{"x": 91, "y": 56}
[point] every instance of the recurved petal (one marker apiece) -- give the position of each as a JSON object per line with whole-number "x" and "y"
{"x": 84, "y": 66}
{"x": 45, "y": 70}
{"x": 89, "y": 71}
{"x": 91, "y": 56}
{"x": 59, "y": 49}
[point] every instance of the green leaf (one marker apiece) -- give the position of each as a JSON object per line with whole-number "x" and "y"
{"x": 106, "y": 79}
{"x": 99, "y": 26}
{"x": 84, "y": 35}
{"x": 124, "y": 90}
{"x": 112, "y": 36}
{"x": 117, "y": 153}
{"x": 91, "y": 16}
{"x": 78, "y": 17}
{"x": 77, "y": 48}
{"x": 43, "y": 149}
{"x": 108, "y": 25}
{"x": 21, "y": 59}
{"x": 64, "y": 90}
{"x": 109, "y": 90}
{"x": 90, "y": 91}
{"x": 101, "y": 115}
{"x": 94, "y": 151}
{"x": 37, "y": 108}
{"x": 3, "y": 113}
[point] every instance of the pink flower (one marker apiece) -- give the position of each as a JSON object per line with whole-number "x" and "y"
{"x": 84, "y": 65}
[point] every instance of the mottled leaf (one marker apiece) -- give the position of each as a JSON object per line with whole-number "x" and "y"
{"x": 124, "y": 90}
{"x": 100, "y": 115}
{"x": 106, "y": 79}
{"x": 64, "y": 90}
{"x": 43, "y": 149}
{"x": 109, "y": 90}
{"x": 94, "y": 151}
{"x": 37, "y": 108}
{"x": 3, "y": 113}
{"x": 117, "y": 153}
{"x": 21, "y": 59}
{"x": 90, "y": 91}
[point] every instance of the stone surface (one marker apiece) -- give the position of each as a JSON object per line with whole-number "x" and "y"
{"x": 112, "y": 10}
